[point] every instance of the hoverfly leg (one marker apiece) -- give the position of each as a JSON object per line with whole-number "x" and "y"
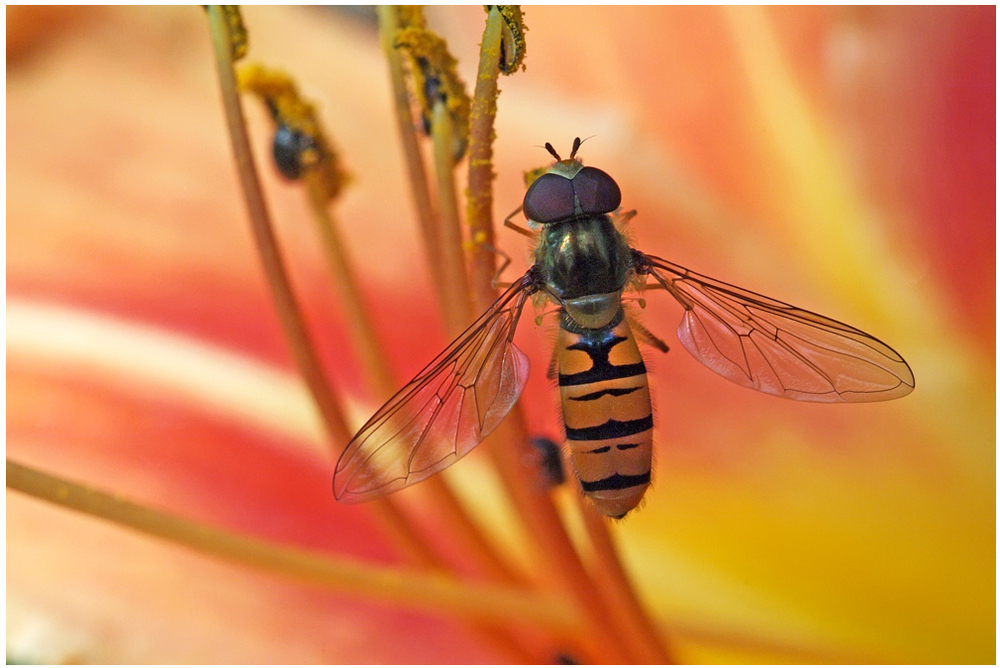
{"x": 507, "y": 222}
{"x": 649, "y": 338}
{"x": 503, "y": 267}
{"x": 495, "y": 281}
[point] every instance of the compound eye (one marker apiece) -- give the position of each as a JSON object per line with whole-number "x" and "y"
{"x": 597, "y": 191}
{"x": 549, "y": 199}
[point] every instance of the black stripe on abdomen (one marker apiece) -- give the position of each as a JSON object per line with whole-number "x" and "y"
{"x": 599, "y": 373}
{"x": 610, "y": 429}
{"x": 597, "y": 344}
{"x": 607, "y": 448}
{"x": 616, "y": 481}
{"x": 614, "y": 392}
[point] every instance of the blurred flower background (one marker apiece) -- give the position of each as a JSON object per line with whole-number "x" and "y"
{"x": 841, "y": 159}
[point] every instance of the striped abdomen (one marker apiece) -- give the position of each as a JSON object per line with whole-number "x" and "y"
{"x": 607, "y": 413}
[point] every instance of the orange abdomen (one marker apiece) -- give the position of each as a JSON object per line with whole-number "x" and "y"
{"x": 607, "y": 414}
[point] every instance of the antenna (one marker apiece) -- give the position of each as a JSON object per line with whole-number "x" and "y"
{"x": 576, "y": 147}
{"x": 577, "y": 143}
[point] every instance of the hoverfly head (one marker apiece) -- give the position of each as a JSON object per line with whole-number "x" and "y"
{"x": 569, "y": 190}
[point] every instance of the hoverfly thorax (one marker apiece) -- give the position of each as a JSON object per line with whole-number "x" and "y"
{"x": 581, "y": 258}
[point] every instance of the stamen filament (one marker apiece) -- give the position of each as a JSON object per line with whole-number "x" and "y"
{"x": 479, "y": 207}
{"x": 436, "y": 592}
{"x": 380, "y": 378}
{"x": 630, "y": 620}
{"x": 556, "y": 554}
{"x": 452, "y": 251}
{"x": 386, "y": 510}
{"x": 443, "y": 238}
{"x": 388, "y": 25}
{"x": 288, "y": 310}
{"x": 363, "y": 335}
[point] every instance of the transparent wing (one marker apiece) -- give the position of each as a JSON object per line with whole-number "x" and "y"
{"x": 440, "y": 415}
{"x": 774, "y": 347}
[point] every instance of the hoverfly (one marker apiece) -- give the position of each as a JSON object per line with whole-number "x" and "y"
{"x": 583, "y": 264}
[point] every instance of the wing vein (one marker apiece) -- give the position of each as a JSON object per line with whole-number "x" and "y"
{"x": 774, "y": 347}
